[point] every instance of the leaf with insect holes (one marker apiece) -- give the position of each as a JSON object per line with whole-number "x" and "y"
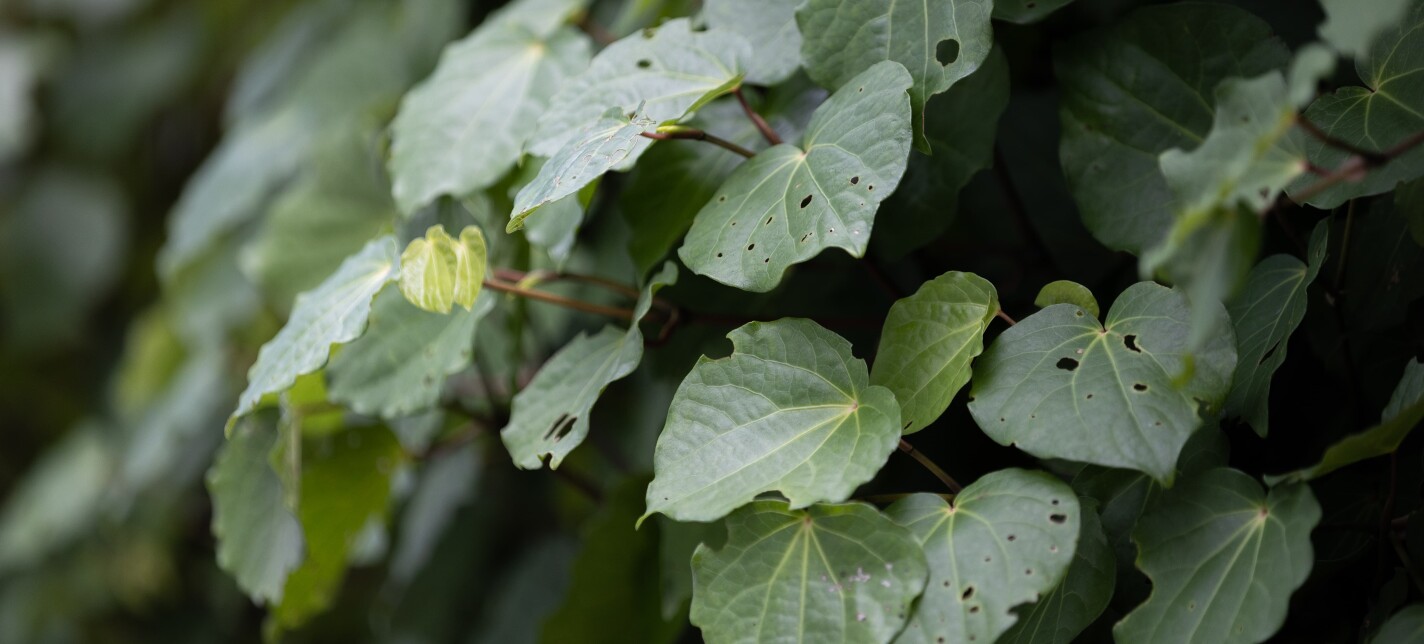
{"x": 828, "y": 573}
{"x": 1403, "y": 413}
{"x": 788, "y": 203}
{"x": 769, "y": 26}
{"x": 1269, "y": 308}
{"x": 938, "y": 41}
{"x": 1140, "y": 88}
{"x": 1062, "y": 614}
{"x": 790, "y": 410}
{"x": 1224, "y": 557}
{"x": 1388, "y": 111}
{"x": 438, "y": 272}
{"x": 670, "y": 70}
{"x": 549, "y": 417}
{"x": 1007, "y": 539}
{"x": 333, "y": 313}
{"x": 1123, "y": 393}
{"x": 927, "y": 344}
{"x": 465, "y": 126}
{"x": 602, "y": 146}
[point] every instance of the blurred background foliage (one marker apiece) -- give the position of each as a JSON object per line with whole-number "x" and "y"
{"x": 119, "y": 115}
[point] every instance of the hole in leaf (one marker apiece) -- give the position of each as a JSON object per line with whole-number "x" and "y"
{"x": 719, "y": 254}
{"x": 722, "y": 198}
{"x": 870, "y": 186}
{"x": 1078, "y": 313}
{"x": 766, "y": 261}
{"x": 806, "y": 202}
{"x": 1067, "y": 364}
{"x": 974, "y": 609}
{"x": 1054, "y": 502}
{"x": 645, "y": 63}
{"x": 1058, "y": 518}
{"x": 1088, "y": 397}
{"x": 968, "y": 592}
{"x": 768, "y": 220}
{"x": 751, "y": 246}
{"x": 1012, "y": 537}
{"x": 854, "y": 180}
{"x": 561, "y": 428}
{"x": 1139, "y": 387}
{"x": 1028, "y": 571}
{"x": 1131, "y": 341}
{"x": 1267, "y": 355}
{"x": 947, "y": 51}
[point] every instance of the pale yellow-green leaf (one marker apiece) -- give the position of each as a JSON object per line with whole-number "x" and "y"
{"x": 438, "y": 271}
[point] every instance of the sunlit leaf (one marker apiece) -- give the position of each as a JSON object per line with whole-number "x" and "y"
{"x": 1224, "y": 557}
{"x": 938, "y": 41}
{"x": 1124, "y": 393}
{"x": 1007, "y": 539}
{"x": 788, "y": 203}
{"x": 928, "y": 342}
{"x": 841, "y": 573}
{"x": 790, "y": 410}
{"x": 438, "y": 271}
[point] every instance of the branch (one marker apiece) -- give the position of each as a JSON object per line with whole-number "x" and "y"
{"x": 566, "y": 302}
{"x": 1355, "y": 167}
{"x": 760, "y": 123}
{"x": 940, "y": 474}
{"x": 1315, "y": 131}
{"x": 1005, "y": 317}
{"x": 670, "y": 132}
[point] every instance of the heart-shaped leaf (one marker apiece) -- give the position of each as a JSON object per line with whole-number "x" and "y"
{"x": 259, "y": 542}
{"x": 786, "y": 204}
{"x": 1007, "y": 539}
{"x": 770, "y": 27}
{"x": 669, "y": 70}
{"x": 1067, "y": 292}
{"x": 1124, "y": 393}
{"x": 1224, "y": 557}
{"x": 438, "y": 272}
{"x": 790, "y": 410}
{"x": 829, "y": 573}
{"x": 928, "y": 341}
{"x": 938, "y": 41}
{"x": 604, "y": 144}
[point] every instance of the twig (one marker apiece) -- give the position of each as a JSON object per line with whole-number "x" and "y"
{"x": 1005, "y": 317}
{"x": 760, "y": 123}
{"x": 887, "y": 499}
{"x": 1355, "y": 167}
{"x": 1315, "y": 131}
{"x": 668, "y": 133}
{"x": 566, "y": 302}
{"x": 943, "y": 476}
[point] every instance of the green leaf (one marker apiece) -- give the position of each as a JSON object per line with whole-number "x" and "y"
{"x": 466, "y": 125}
{"x": 790, "y": 410}
{"x": 1140, "y": 88}
{"x": 1069, "y": 608}
{"x": 1224, "y": 557}
{"x": 539, "y": 17}
{"x": 678, "y": 540}
{"x": 345, "y": 486}
{"x": 962, "y": 132}
{"x": 1403, "y": 413}
{"x": 1351, "y": 25}
{"x": 928, "y": 342}
{"x": 549, "y": 417}
{"x": 1385, "y": 112}
{"x": 939, "y": 41}
{"x": 556, "y": 228}
{"x": 332, "y": 313}
{"x": 600, "y": 148}
{"x": 1026, "y": 12}
{"x": 613, "y": 591}
{"x": 1067, "y": 292}
{"x": 664, "y": 73}
{"x": 438, "y": 272}
{"x": 841, "y": 573}
{"x": 1405, "y": 627}
{"x": 399, "y": 365}
{"x": 59, "y": 500}
{"x": 1267, "y": 311}
{"x": 1007, "y": 539}
{"x": 792, "y": 202}
{"x": 1121, "y": 394}
{"x": 259, "y": 542}
{"x": 770, "y": 27}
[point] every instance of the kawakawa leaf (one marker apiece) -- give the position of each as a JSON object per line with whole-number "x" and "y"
{"x": 1124, "y": 393}
{"x": 1140, "y": 88}
{"x": 1062, "y": 614}
{"x": 259, "y": 542}
{"x": 549, "y": 417}
{"x": 938, "y": 41}
{"x": 829, "y": 573}
{"x": 1405, "y": 627}
{"x": 1267, "y": 311}
{"x": 1007, "y": 539}
{"x": 790, "y": 410}
{"x": 332, "y": 313}
{"x": 671, "y": 70}
{"x": 602, "y": 146}
{"x": 1384, "y": 113}
{"x": 438, "y": 272}
{"x": 1067, "y": 292}
{"x": 1351, "y": 25}
{"x": 770, "y": 27}
{"x": 465, "y": 126}
{"x": 1224, "y": 557}
{"x": 787, "y": 203}
{"x": 1403, "y": 413}
{"x": 928, "y": 342}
